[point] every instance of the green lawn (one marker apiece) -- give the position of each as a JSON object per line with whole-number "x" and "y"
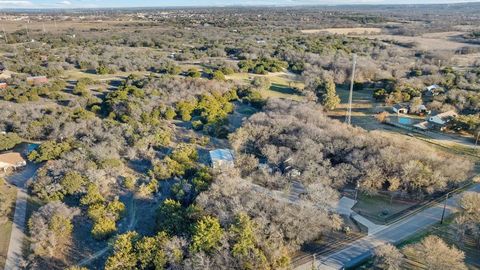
{"x": 6, "y": 228}
{"x": 378, "y": 208}
{"x": 283, "y": 84}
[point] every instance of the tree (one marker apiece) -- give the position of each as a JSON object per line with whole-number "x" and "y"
{"x": 49, "y": 150}
{"x": 9, "y": 140}
{"x": 388, "y": 257}
{"x": 50, "y": 229}
{"x": 218, "y": 75}
{"x": 124, "y": 257}
{"x": 172, "y": 217}
{"x": 435, "y": 254}
{"x": 245, "y": 247}
{"x": 194, "y": 73}
{"x": 329, "y": 97}
{"x": 207, "y": 234}
{"x": 72, "y": 182}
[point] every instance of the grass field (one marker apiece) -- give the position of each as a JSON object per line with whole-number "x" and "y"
{"x": 283, "y": 84}
{"x": 76, "y": 74}
{"x": 6, "y": 228}
{"x": 378, "y": 208}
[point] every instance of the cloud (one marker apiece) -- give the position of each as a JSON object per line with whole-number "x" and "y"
{"x": 15, "y": 3}
{"x": 65, "y": 3}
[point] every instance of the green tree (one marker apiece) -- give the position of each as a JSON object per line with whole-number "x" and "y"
{"x": 207, "y": 234}
{"x": 185, "y": 109}
{"x": 93, "y": 195}
{"x": 72, "y": 182}
{"x": 9, "y": 140}
{"x": 329, "y": 97}
{"x": 172, "y": 217}
{"x": 124, "y": 256}
{"x": 194, "y": 73}
{"x": 169, "y": 113}
{"x": 150, "y": 250}
{"x": 245, "y": 244}
{"x": 49, "y": 151}
{"x": 218, "y": 75}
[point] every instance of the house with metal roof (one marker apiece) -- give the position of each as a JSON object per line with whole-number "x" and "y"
{"x": 222, "y": 158}
{"x": 11, "y": 161}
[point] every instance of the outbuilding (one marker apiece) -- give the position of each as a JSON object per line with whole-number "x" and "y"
{"x": 222, "y": 158}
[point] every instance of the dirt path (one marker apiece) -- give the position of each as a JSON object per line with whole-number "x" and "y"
{"x": 132, "y": 217}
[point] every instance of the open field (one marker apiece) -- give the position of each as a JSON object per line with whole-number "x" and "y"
{"x": 378, "y": 208}
{"x": 429, "y": 42}
{"x": 5, "y": 229}
{"x": 283, "y": 84}
{"x": 345, "y": 31}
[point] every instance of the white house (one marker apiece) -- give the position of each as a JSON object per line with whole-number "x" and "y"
{"x": 222, "y": 158}
{"x": 442, "y": 118}
{"x": 433, "y": 90}
{"x": 11, "y": 161}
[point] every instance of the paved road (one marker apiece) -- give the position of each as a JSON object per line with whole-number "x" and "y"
{"x": 15, "y": 255}
{"x": 361, "y": 249}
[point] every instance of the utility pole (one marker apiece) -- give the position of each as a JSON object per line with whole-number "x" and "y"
{"x": 350, "y": 97}
{"x": 444, "y": 208}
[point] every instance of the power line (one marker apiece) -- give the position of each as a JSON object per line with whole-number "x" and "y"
{"x": 350, "y": 97}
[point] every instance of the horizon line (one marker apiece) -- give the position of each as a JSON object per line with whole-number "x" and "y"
{"x": 28, "y": 8}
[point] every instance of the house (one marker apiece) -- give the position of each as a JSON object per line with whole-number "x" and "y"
{"x": 37, "y": 80}
{"x": 441, "y": 119}
{"x": 222, "y": 158}
{"x": 3, "y": 85}
{"x": 11, "y": 161}
{"x": 433, "y": 90}
{"x": 420, "y": 109}
{"x": 400, "y": 108}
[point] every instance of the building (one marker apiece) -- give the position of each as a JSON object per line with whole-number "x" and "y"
{"x": 11, "y": 161}
{"x": 441, "y": 119}
{"x": 433, "y": 90}
{"x": 3, "y": 85}
{"x": 37, "y": 80}
{"x": 400, "y": 108}
{"x": 222, "y": 158}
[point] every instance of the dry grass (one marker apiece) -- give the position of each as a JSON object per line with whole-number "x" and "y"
{"x": 345, "y": 31}
{"x": 6, "y": 228}
{"x": 429, "y": 42}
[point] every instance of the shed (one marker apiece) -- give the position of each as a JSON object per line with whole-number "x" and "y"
{"x": 222, "y": 158}
{"x": 37, "y": 80}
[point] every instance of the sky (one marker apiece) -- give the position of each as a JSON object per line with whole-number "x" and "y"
{"x": 169, "y": 3}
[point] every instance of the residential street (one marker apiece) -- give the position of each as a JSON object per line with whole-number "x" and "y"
{"x": 14, "y": 256}
{"x": 394, "y": 233}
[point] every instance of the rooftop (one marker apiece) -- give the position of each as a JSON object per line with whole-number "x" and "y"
{"x": 221, "y": 154}
{"x": 12, "y": 159}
